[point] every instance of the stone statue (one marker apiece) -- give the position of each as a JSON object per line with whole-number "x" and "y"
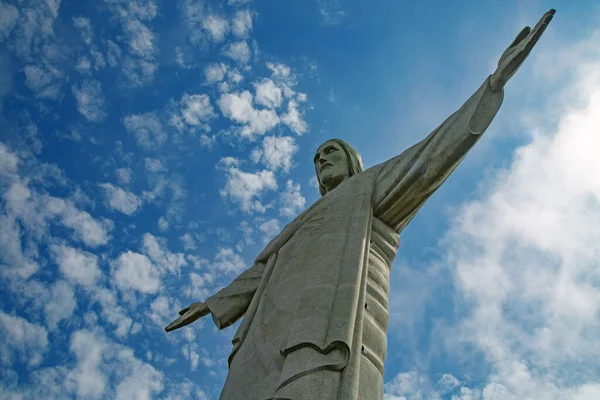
{"x": 315, "y": 301}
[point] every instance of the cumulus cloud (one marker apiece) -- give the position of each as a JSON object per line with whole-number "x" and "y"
{"x": 227, "y": 261}
{"x": 238, "y": 51}
{"x": 8, "y": 19}
{"x": 293, "y": 118}
{"x": 162, "y": 310}
{"x": 139, "y": 62}
{"x": 276, "y": 152}
{"x": 199, "y": 287}
{"x": 90, "y": 100}
{"x": 147, "y": 129}
{"x": 21, "y": 340}
{"x": 87, "y": 380}
{"x": 246, "y": 189}
{"x": 135, "y": 271}
{"x": 120, "y": 200}
{"x": 239, "y": 108}
{"x": 76, "y": 265}
{"x": 292, "y": 201}
{"x": 124, "y": 176}
{"x": 153, "y": 165}
{"x": 269, "y": 228}
{"x": 85, "y": 29}
{"x": 196, "y": 109}
{"x": 215, "y": 72}
{"x": 46, "y": 81}
{"x": 268, "y": 94}
{"x": 157, "y": 250}
{"x": 241, "y": 25}
{"x": 29, "y": 212}
{"x": 192, "y": 112}
{"x": 216, "y": 26}
{"x": 61, "y": 304}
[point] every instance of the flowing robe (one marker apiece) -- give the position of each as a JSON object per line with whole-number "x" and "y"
{"x": 315, "y": 300}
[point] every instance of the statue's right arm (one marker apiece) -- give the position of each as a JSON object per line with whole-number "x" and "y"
{"x": 231, "y": 302}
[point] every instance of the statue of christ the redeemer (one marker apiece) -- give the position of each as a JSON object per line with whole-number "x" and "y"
{"x": 315, "y": 301}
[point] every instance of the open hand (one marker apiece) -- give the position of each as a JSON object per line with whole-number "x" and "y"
{"x": 188, "y": 315}
{"x": 517, "y": 52}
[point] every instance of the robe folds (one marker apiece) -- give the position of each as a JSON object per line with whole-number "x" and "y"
{"x": 315, "y": 301}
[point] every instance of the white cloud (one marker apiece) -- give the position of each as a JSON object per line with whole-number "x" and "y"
{"x": 216, "y": 26}
{"x": 188, "y": 241}
{"x": 112, "y": 312}
{"x": 8, "y": 19}
{"x": 143, "y": 380}
{"x": 139, "y": 63}
{"x": 139, "y": 71}
{"x": 32, "y": 36}
{"x": 141, "y": 38}
{"x": 270, "y": 228}
{"x": 124, "y": 176}
{"x": 242, "y": 23}
{"x": 162, "y": 310}
{"x": 156, "y": 249}
{"x": 292, "y": 201}
{"x": 237, "y": 2}
{"x": 276, "y": 152}
{"x": 163, "y": 224}
{"x": 215, "y": 72}
{"x": 113, "y": 53}
{"x": 92, "y": 232}
{"x": 293, "y": 119}
{"x": 268, "y": 94}
{"x": 238, "y": 51}
{"x": 107, "y": 369}
{"x": 35, "y": 211}
{"x": 227, "y": 261}
{"x": 196, "y": 109}
{"x": 76, "y": 265}
{"x": 154, "y": 165}
{"x": 147, "y": 129}
{"x": 199, "y": 285}
{"x": 238, "y": 107}
{"x": 90, "y": 100}
{"x": 87, "y": 380}
{"x": 44, "y": 80}
{"x": 21, "y": 339}
{"x": 85, "y": 29}
{"x": 83, "y": 66}
{"x": 120, "y": 200}
{"x": 246, "y": 188}
{"x": 135, "y": 271}
{"x": 61, "y": 304}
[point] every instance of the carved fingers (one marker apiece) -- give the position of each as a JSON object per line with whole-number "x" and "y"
{"x": 188, "y": 315}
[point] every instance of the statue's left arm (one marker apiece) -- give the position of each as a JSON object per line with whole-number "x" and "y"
{"x": 406, "y": 181}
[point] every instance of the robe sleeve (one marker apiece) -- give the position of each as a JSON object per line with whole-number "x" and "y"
{"x": 405, "y": 182}
{"x": 230, "y": 303}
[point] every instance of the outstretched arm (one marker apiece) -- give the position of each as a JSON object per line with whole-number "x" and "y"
{"x": 406, "y": 181}
{"x": 227, "y": 305}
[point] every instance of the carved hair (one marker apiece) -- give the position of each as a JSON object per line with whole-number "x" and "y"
{"x": 355, "y": 164}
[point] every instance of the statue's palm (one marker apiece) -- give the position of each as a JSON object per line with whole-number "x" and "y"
{"x": 517, "y": 52}
{"x": 188, "y": 315}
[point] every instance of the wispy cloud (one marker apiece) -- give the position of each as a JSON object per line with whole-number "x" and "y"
{"x": 90, "y": 101}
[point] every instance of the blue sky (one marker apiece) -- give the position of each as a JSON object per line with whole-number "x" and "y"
{"x": 149, "y": 149}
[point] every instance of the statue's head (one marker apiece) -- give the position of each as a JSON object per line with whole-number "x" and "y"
{"x": 335, "y": 161}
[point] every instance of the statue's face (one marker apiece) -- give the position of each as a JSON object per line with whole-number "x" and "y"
{"x": 331, "y": 164}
